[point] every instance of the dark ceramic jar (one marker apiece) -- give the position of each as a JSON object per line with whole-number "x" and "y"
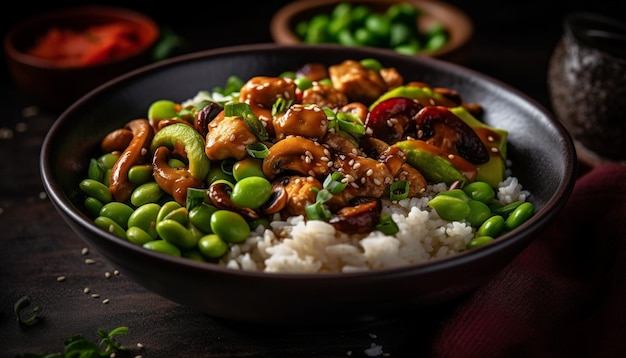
{"x": 587, "y": 84}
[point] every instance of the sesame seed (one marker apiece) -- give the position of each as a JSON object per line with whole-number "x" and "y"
{"x": 86, "y": 290}
{"x": 490, "y": 138}
{"x": 311, "y": 173}
{"x": 116, "y": 272}
{"x": 107, "y": 274}
{"x": 369, "y": 172}
{"x": 84, "y": 251}
{"x": 139, "y": 345}
{"x": 105, "y": 301}
{"x": 377, "y": 181}
{"x": 450, "y": 156}
{"x": 372, "y": 335}
{"x": 111, "y": 229}
{"x": 494, "y": 149}
{"x": 144, "y": 151}
{"x": 60, "y": 278}
{"x": 354, "y": 185}
{"x": 90, "y": 261}
{"x": 43, "y": 195}
{"x": 95, "y": 295}
{"x": 232, "y": 138}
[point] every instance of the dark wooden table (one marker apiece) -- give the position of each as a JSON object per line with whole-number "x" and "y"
{"x": 513, "y": 43}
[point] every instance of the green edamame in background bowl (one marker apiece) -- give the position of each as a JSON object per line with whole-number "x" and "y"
{"x": 431, "y": 28}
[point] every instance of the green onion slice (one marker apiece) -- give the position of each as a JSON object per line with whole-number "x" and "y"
{"x": 399, "y": 190}
{"x": 387, "y": 226}
{"x": 195, "y": 197}
{"x": 257, "y": 150}
{"x": 19, "y": 306}
{"x": 333, "y": 183}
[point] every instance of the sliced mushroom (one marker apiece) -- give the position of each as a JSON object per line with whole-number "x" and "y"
{"x": 174, "y": 181}
{"x": 296, "y": 154}
{"x": 137, "y": 152}
{"x": 360, "y": 218}
{"x": 442, "y": 128}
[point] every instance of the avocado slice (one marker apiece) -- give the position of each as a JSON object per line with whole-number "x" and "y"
{"x": 491, "y": 172}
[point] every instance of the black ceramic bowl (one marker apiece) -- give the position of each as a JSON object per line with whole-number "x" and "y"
{"x": 542, "y": 154}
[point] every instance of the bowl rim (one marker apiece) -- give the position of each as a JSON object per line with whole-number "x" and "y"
{"x": 282, "y": 33}
{"x": 522, "y": 234}
{"x": 148, "y": 26}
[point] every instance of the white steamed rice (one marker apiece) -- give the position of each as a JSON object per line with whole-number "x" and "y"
{"x": 300, "y": 246}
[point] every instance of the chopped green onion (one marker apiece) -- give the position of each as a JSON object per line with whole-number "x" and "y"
{"x": 350, "y": 123}
{"x": 333, "y": 183}
{"x": 399, "y": 190}
{"x": 317, "y": 211}
{"x": 243, "y": 110}
{"x": 227, "y": 166}
{"x": 280, "y": 106}
{"x": 257, "y": 150}
{"x": 19, "y": 306}
{"x": 195, "y": 197}
{"x": 387, "y": 226}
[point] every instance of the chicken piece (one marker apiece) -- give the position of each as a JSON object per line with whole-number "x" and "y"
{"x": 264, "y": 91}
{"x": 228, "y": 137}
{"x": 338, "y": 143}
{"x": 364, "y": 176}
{"x": 357, "y": 82}
{"x": 313, "y": 71}
{"x": 417, "y": 182}
{"x": 300, "y": 193}
{"x": 392, "y": 77}
{"x": 324, "y": 96}
{"x": 301, "y": 120}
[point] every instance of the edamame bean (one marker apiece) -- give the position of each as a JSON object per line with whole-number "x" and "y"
{"x": 492, "y": 226}
{"x": 194, "y": 255}
{"x": 449, "y": 207}
{"x": 107, "y": 160}
{"x": 95, "y": 170}
{"x": 111, "y": 226}
{"x": 166, "y": 208}
{"x": 456, "y": 193}
{"x": 212, "y": 246}
{"x": 140, "y": 174}
{"x": 119, "y": 212}
{"x": 480, "y": 191}
{"x": 181, "y": 215}
{"x": 251, "y": 192}
{"x": 96, "y": 189}
{"x": 200, "y": 216}
{"x": 176, "y": 234}
{"x": 93, "y": 206}
{"x": 522, "y": 213}
{"x": 479, "y": 212}
{"x": 138, "y": 236}
{"x": 248, "y": 167}
{"x": 163, "y": 247}
{"x": 479, "y": 241}
{"x": 149, "y": 192}
{"x": 145, "y": 217}
{"x": 176, "y": 163}
{"x": 216, "y": 173}
{"x": 106, "y": 178}
{"x": 505, "y": 210}
{"x": 303, "y": 83}
{"x": 229, "y": 226}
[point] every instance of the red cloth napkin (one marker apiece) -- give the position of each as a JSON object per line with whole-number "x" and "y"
{"x": 565, "y": 295}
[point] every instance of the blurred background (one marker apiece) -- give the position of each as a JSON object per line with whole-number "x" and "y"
{"x": 513, "y": 40}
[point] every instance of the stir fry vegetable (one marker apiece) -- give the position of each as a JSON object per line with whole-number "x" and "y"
{"x": 327, "y": 143}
